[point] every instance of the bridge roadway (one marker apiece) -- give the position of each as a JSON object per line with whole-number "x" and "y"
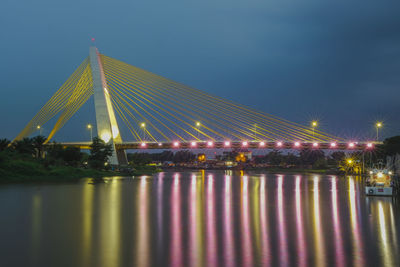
{"x": 234, "y": 145}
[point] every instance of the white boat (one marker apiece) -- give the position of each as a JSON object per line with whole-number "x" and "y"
{"x": 379, "y": 183}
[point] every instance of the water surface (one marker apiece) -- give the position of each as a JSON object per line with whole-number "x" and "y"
{"x": 210, "y": 218}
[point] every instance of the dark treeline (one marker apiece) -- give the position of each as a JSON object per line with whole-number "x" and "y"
{"x": 146, "y": 158}
{"x": 32, "y": 157}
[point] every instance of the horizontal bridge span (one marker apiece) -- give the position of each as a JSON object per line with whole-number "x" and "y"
{"x": 234, "y": 145}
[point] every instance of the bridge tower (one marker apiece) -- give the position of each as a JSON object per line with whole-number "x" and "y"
{"x": 107, "y": 126}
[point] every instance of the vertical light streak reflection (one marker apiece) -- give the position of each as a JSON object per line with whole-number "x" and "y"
{"x": 283, "y": 246}
{"x": 384, "y": 248}
{"x": 195, "y": 237}
{"x": 301, "y": 244}
{"x": 358, "y": 259}
{"x": 176, "y": 224}
{"x": 228, "y": 232}
{"x": 160, "y": 225}
{"x": 393, "y": 226}
{"x": 265, "y": 242}
{"x": 36, "y": 227}
{"x": 143, "y": 231}
{"x": 339, "y": 253}
{"x": 247, "y": 250}
{"x": 110, "y": 224}
{"x": 255, "y": 216}
{"x": 212, "y": 247}
{"x": 319, "y": 242}
{"x": 87, "y": 223}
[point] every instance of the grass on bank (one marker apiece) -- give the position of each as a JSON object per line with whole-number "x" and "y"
{"x": 24, "y": 168}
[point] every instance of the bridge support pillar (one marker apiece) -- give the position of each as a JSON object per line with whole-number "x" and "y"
{"x": 107, "y": 126}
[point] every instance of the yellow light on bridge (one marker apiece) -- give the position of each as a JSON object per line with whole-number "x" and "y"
{"x": 38, "y": 127}
{"x": 89, "y": 126}
{"x": 349, "y": 161}
{"x": 198, "y": 124}
{"x": 314, "y": 124}
{"x": 143, "y": 125}
{"x": 105, "y": 136}
{"x": 379, "y": 124}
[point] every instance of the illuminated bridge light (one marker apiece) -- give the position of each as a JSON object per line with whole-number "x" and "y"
{"x": 244, "y": 143}
{"x": 262, "y": 144}
{"x": 210, "y": 144}
{"x": 193, "y": 144}
{"x": 159, "y": 144}
{"x": 297, "y": 144}
{"x": 315, "y": 144}
{"x": 351, "y": 145}
{"x": 333, "y": 145}
{"x": 143, "y": 144}
{"x": 227, "y": 143}
{"x": 176, "y": 144}
{"x": 279, "y": 144}
{"x": 370, "y": 145}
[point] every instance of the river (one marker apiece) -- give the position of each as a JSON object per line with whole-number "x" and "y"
{"x": 200, "y": 218}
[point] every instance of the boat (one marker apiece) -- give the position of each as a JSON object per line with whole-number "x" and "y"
{"x": 379, "y": 183}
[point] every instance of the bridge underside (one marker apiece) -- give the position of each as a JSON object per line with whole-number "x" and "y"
{"x": 232, "y": 145}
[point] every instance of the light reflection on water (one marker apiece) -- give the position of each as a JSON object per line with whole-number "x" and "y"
{"x": 199, "y": 219}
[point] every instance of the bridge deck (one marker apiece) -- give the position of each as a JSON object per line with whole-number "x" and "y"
{"x": 234, "y": 145}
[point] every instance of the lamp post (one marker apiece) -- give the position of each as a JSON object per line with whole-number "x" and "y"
{"x": 314, "y": 125}
{"x": 90, "y": 128}
{"x": 198, "y": 124}
{"x": 39, "y": 128}
{"x": 143, "y": 126}
{"x": 378, "y": 125}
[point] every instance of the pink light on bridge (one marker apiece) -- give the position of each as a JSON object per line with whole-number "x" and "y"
{"x": 351, "y": 145}
{"x": 227, "y": 143}
{"x": 193, "y": 144}
{"x": 279, "y": 144}
{"x": 176, "y": 144}
{"x": 370, "y": 145}
{"x": 210, "y": 144}
{"x": 296, "y": 144}
{"x": 262, "y": 144}
{"x": 245, "y": 143}
{"x": 333, "y": 145}
{"x": 315, "y": 145}
{"x": 143, "y": 145}
{"x": 159, "y": 144}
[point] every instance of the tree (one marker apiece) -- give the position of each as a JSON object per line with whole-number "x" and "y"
{"x": 99, "y": 153}
{"x": 336, "y": 157}
{"x": 24, "y": 146}
{"x": 139, "y": 158}
{"x": 38, "y": 144}
{"x": 391, "y": 146}
{"x": 4, "y": 143}
{"x": 72, "y": 156}
{"x": 274, "y": 157}
{"x": 309, "y": 157}
{"x": 184, "y": 156}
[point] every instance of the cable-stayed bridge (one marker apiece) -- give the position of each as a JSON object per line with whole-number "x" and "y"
{"x": 160, "y": 113}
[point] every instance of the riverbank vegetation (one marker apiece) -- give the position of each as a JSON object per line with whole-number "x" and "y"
{"x": 30, "y": 159}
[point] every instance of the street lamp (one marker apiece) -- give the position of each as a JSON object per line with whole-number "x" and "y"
{"x": 90, "y": 128}
{"x": 314, "y": 125}
{"x": 378, "y": 125}
{"x": 143, "y": 126}
{"x": 39, "y": 128}
{"x": 198, "y": 124}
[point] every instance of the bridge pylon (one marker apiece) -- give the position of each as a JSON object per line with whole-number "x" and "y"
{"x": 107, "y": 126}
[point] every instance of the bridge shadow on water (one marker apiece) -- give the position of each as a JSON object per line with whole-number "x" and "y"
{"x": 210, "y": 218}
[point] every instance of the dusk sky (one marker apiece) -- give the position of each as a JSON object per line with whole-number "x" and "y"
{"x": 335, "y": 61}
